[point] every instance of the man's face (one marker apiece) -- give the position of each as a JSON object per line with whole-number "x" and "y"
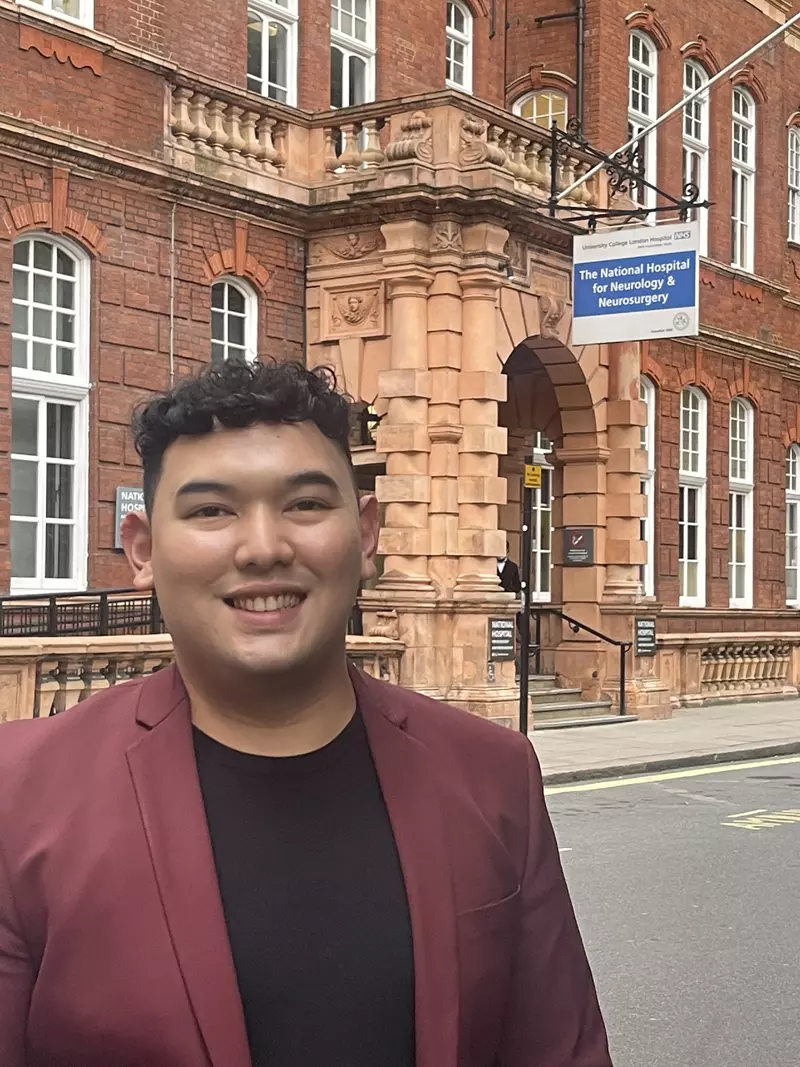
{"x": 255, "y": 546}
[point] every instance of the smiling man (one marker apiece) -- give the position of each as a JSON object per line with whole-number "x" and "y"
{"x": 260, "y": 857}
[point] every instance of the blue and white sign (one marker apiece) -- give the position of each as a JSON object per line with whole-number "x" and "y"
{"x": 635, "y": 284}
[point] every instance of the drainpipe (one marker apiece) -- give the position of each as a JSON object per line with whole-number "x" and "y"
{"x": 172, "y": 292}
{"x": 580, "y": 72}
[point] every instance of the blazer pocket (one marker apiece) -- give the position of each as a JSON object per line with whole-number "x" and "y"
{"x": 495, "y": 909}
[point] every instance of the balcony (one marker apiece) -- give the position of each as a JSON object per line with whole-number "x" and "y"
{"x": 442, "y": 141}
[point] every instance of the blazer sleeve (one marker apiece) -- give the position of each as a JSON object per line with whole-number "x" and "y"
{"x": 553, "y": 1015}
{"x": 16, "y": 977}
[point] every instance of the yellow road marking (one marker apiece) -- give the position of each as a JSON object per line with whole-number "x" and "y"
{"x": 668, "y": 776}
{"x": 743, "y": 814}
{"x": 768, "y": 820}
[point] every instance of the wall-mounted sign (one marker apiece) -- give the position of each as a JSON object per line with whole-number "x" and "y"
{"x": 533, "y": 476}
{"x": 636, "y": 283}
{"x": 127, "y": 500}
{"x": 501, "y": 639}
{"x": 578, "y": 546}
{"x": 645, "y": 637}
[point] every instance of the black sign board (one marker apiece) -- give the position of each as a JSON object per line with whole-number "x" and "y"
{"x": 127, "y": 500}
{"x": 645, "y": 637}
{"x": 501, "y": 639}
{"x": 578, "y": 546}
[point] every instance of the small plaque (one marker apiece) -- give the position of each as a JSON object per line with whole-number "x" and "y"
{"x": 533, "y": 476}
{"x": 578, "y": 546}
{"x": 128, "y": 499}
{"x": 501, "y": 639}
{"x": 645, "y": 637}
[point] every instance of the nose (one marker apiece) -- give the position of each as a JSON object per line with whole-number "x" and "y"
{"x": 262, "y": 541}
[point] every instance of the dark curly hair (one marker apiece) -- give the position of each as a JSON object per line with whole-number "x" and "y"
{"x": 234, "y": 395}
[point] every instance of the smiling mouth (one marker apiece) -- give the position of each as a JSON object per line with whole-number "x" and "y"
{"x": 264, "y": 604}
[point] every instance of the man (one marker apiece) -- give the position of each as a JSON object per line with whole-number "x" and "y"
{"x": 508, "y": 573}
{"x": 260, "y": 857}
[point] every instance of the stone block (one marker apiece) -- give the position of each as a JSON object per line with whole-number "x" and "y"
{"x": 625, "y": 505}
{"x": 444, "y": 460}
{"x": 405, "y": 383}
{"x": 444, "y": 313}
{"x": 444, "y": 535}
{"x": 489, "y": 439}
{"x": 583, "y": 478}
{"x": 444, "y": 386}
{"x": 408, "y": 437}
{"x": 444, "y": 350}
{"x": 485, "y": 543}
{"x": 586, "y": 510}
{"x": 403, "y": 542}
{"x": 625, "y": 551}
{"x": 403, "y": 488}
{"x": 444, "y": 495}
{"x": 627, "y": 413}
{"x": 478, "y": 489}
{"x": 627, "y": 461}
{"x": 482, "y": 385}
{"x": 582, "y": 584}
{"x": 578, "y": 420}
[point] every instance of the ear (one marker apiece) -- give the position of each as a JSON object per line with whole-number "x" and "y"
{"x": 137, "y": 540}
{"x": 368, "y": 512}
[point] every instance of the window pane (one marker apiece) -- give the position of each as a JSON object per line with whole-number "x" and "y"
{"x": 278, "y": 59}
{"x": 66, "y": 327}
{"x": 24, "y": 427}
{"x": 69, "y": 7}
{"x": 235, "y": 330}
{"x": 65, "y": 264}
{"x": 22, "y": 253}
{"x": 66, "y": 294}
{"x": 19, "y": 319}
{"x": 791, "y": 584}
{"x": 24, "y": 487}
{"x": 23, "y": 549}
{"x": 19, "y": 353}
{"x": 42, "y": 289}
{"x": 58, "y": 551}
{"x": 218, "y": 296}
{"x": 255, "y": 40}
{"x": 691, "y": 579}
{"x": 42, "y": 323}
{"x": 217, "y": 353}
{"x": 41, "y": 356}
{"x": 42, "y": 255}
{"x": 20, "y": 285}
{"x": 217, "y": 326}
{"x": 358, "y": 81}
{"x": 65, "y": 363}
{"x": 58, "y": 491}
{"x": 337, "y": 78}
{"x": 235, "y": 300}
{"x": 60, "y": 422}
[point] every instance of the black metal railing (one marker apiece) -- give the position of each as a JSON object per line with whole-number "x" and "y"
{"x": 576, "y": 627}
{"x": 93, "y": 613}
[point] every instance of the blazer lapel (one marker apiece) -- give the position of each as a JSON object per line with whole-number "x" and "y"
{"x": 408, "y": 779}
{"x": 168, "y": 792}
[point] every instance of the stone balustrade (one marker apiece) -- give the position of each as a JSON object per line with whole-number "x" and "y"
{"x": 45, "y": 676}
{"x": 705, "y": 668}
{"x": 449, "y": 138}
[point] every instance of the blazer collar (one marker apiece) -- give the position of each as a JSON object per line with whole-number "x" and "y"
{"x": 164, "y": 771}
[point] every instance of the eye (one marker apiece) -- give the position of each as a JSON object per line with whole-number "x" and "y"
{"x": 208, "y": 511}
{"x": 309, "y": 504}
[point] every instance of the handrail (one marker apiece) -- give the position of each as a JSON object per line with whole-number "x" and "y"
{"x": 576, "y": 626}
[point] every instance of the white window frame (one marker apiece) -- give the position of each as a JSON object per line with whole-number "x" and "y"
{"x": 794, "y": 185}
{"x": 542, "y": 455}
{"x": 741, "y": 484}
{"x": 72, "y": 389}
{"x": 352, "y": 46}
{"x": 697, "y": 142}
{"x": 553, "y": 115}
{"x": 454, "y": 36}
{"x": 638, "y": 118}
{"x": 86, "y": 17}
{"x": 270, "y": 11}
{"x": 647, "y": 393}
{"x": 693, "y": 479}
{"x": 793, "y": 523}
{"x": 744, "y": 165}
{"x": 251, "y": 310}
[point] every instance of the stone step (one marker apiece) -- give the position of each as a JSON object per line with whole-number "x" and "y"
{"x": 553, "y": 696}
{"x": 566, "y": 724}
{"x": 541, "y": 681}
{"x": 585, "y": 710}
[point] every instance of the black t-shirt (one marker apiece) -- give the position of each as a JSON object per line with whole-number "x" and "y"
{"x": 315, "y": 903}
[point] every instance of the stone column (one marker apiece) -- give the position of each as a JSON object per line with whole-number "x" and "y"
{"x": 625, "y": 552}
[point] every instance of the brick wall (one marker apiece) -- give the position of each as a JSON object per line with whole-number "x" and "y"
{"x": 130, "y": 335}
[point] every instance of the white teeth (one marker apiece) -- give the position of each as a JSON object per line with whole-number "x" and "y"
{"x": 269, "y": 603}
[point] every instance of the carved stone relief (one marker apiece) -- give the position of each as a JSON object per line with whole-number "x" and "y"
{"x": 551, "y": 311}
{"x": 350, "y": 247}
{"x": 352, "y": 312}
{"x": 446, "y": 237}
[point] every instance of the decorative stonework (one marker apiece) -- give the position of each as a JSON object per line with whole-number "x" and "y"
{"x": 446, "y": 237}
{"x": 475, "y": 148}
{"x": 519, "y": 263}
{"x": 747, "y": 78}
{"x": 48, "y": 45}
{"x": 748, "y": 291}
{"x": 387, "y": 624}
{"x": 552, "y": 311}
{"x": 546, "y": 282}
{"x": 699, "y": 50}
{"x": 352, "y": 312}
{"x": 55, "y": 215}
{"x": 415, "y": 142}
{"x": 238, "y": 261}
{"x": 648, "y": 22}
{"x": 350, "y": 247}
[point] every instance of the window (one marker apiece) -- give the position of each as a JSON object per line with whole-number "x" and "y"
{"x": 272, "y": 49}
{"x": 793, "y": 526}
{"x": 545, "y": 107}
{"x": 696, "y": 142}
{"x": 352, "y": 52}
{"x": 234, "y": 321}
{"x": 647, "y": 393}
{"x": 794, "y": 185}
{"x": 740, "y": 505}
{"x": 458, "y": 67}
{"x": 542, "y": 522}
{"x": 49, "y": 416}
{"x": 743, "y": 204}
{"x": 73, "y": 10}
{"x": 692, "y": 499}
{"x": 642, "y": 105}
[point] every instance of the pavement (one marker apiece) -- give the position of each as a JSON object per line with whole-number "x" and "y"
{"x": 685, "y": 884}
{"x": 692, "y": 737}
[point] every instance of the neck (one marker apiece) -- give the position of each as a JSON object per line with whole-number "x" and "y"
{"x": 272, "y": 714}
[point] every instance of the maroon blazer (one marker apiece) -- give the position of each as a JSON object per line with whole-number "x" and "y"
{"x": 113, "y": 946}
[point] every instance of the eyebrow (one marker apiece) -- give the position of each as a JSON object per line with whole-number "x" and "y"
{"x": 295, "y": 481}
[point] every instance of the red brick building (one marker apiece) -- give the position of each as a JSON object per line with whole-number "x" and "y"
{"x": 175, "y": 187}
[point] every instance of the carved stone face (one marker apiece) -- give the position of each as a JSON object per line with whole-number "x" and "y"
{"x": 353, "y": 303}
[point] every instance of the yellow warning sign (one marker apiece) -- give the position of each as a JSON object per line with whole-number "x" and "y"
{"x": 533, "y": 476}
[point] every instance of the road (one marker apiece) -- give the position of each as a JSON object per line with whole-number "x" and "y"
{"x": 687, "y": 889}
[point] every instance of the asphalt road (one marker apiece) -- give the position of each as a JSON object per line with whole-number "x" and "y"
{"x": 691, "y": 916}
